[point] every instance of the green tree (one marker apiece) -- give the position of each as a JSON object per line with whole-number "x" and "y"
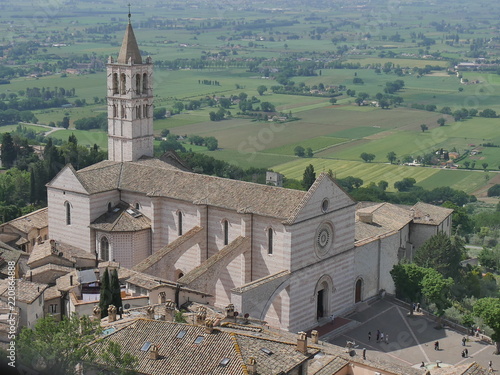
{"x": 488, "y": 309}
{"x": 407, "y": 279}
{"x": 461, "y": 222}
{"x": 117, "y": 361}
{"x": 9, "y": 152}
{"x": 484, "y": 165}
{"x": 436, "y": 289}
{"x": 490, "y": 258}
{"x": 261, "y": 89}
{"x": 106, "y": 294}
{"x": 211, "y": 143}
{"x": 391, "y": 156}
{"x": 65, "y": 122}
{"x": 424, "y": 127}
{"x": 309, "y": 152}
{"x": 116, "y": 297}
{"x": 299, "y": 151}
{"x": 441, "y": 121}
{"x": 367, "y": 157}
{"x": 159, "y": 113}
{"x": 309, "y": 177}
{"x": 56, "y": 347}
{"x": 441, "y": 253}
{"x": 405, "y": 184}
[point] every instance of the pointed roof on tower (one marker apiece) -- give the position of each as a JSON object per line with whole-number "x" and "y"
{"x": 129, "y": 49}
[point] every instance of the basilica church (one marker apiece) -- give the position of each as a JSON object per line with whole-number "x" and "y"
{"x": 291, "y": 258}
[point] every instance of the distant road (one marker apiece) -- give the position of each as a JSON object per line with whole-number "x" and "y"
{"x": 52, "y": 129}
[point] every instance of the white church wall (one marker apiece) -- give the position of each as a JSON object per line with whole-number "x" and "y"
{"x": 216, "y": 217}
{"x": 304, "y": 237}
{"x": 366, "y": 268}
{"x": 145, "y": 205}
{"x": 77, "y": 233}
{"x": 263, "y": 263}
{"x": 99, "y": 202}
{"x": 170, "y": 209}
{"x": 303, "y": 297}
{"x": 419, "y": 233}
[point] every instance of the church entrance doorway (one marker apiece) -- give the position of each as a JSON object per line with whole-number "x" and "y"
{"x": 320, "y": 313}
{"x": 359, "y": 285}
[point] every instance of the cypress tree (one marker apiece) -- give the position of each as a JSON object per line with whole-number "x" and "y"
{"x": 115, "y": 290}
{"x": 106, "y": 298}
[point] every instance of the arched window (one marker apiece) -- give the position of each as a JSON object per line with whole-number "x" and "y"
{"x": 104, "y": 249}
{"x": 115, "y": 110}
{"x": 139, "y": 114}
{"x": 123, "y": 84}
{"x": 145, "y": 110}
{"x": 68, "y": 213}
{"x": 226, "y": 232}
{"x": 145, "y": 83}
{"x": 270, "y": 234}
{"x": 138, "y": 84}
{"x": 358, "y": 296}
{"x": 179, "y": 223}
{"x": 115, "y": 83}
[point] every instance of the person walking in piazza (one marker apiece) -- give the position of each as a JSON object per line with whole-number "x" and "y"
{"x": 436, "y": 345}
{"x": 378, "y": 335}
{"x": 369, "y": 336}
{"x": 382, "y": 336}
{"x": 464, "y": 340}
{"x": 387, "y": 338}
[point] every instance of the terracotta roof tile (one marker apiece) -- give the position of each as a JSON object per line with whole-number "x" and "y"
{"x": 129, "y": 48}
{"x": 149, "y": 177}
{"x": 180, "y": 356}
{"x": 122, "y": 218}
{"x": 36, "y": 219}
{"x": 26, "y": 291}
{"x": 425, "y": 213}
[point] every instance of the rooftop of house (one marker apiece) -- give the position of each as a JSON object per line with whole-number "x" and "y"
{"x": 466, "y": 369}
{"x": 380, "y": 219}
{"x": 424, "y": 213}
{"x": 26, "y": 291}
{"x": 189, "y": 349}
{"x": 121, "y": 218}
{"x": 36, "y": 219}
{"x": 48, "y": 249}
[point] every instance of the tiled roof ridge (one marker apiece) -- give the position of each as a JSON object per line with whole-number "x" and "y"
{"x": 28, "y": 215}
{"x": 165, "y": 250}
{"x": 237, "y": 349}
{"x": 261, "y": 281}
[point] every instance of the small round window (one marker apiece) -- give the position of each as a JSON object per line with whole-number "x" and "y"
{"x": 324, "y": 205}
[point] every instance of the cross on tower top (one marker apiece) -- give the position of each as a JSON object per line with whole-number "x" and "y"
{"x": 129, "y": 15}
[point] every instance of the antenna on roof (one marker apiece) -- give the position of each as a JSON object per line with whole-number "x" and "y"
{"x": 129, "y": 15}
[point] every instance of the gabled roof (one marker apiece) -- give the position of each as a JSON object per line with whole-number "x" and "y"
{"x": 163, "y": 180}
{"x": 424, "y": 213}
{"x": 26, "y": 291}
{"x": 386, "y": 218}
{"x": 180, "y": 356}
{"x": 36, "y": 219}
{"x": 129, "y": 49}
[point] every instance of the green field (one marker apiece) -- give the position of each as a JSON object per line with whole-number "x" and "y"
{"x": 315, "y": 144}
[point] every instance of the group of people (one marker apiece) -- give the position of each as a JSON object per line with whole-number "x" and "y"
{"x": 381, "y": 337}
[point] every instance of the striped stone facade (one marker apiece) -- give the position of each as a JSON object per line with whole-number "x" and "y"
{"x": 289, "y": 257}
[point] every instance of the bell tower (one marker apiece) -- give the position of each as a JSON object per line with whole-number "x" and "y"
{"x": 130, "y": 102}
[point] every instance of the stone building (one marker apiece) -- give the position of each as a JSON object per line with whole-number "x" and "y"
{"x": 289, "y": 257}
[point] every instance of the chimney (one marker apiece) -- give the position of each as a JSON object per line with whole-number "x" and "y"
{"x": 169, "y": 310}
{"x": 71, "y": 280}
{"x": 230, "y": 311}
{"x": 153, "y": 352}
{"x": 53, "y": 246}
{"x": 150, "y": 311}
{"x": 111, "y": 313}
{"x": 365, "y": 217}
{"x": 302, "y": 342}
{"x": 252, "y": 366}
{"x": 314, "y": 336}
{"x": 39, "y": 240}
{"x": 97, "y": 312}
{"x": 201, "y": 315}
{"x": 209, "y": 326}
